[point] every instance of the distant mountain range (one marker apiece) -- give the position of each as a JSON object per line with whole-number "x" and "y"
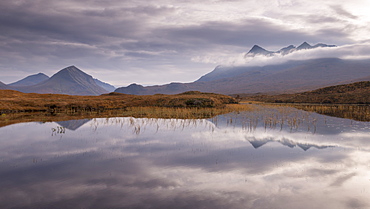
{"x": 70, "y": 80}
{"x": 257, "y": 143}
{"x": 289, "y": 77}
{"x": 257, "y": 50}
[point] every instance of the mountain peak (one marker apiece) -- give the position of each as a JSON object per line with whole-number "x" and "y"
{"x": 304, "y": 45}
{"x": 256, "y": 47}
{"x": 71, "y": 71}
{"x": 257, "y": 50}
{"x": 71, "y": 68}
{"x": 69, "y": 80}
{"x": 135, "y": 85}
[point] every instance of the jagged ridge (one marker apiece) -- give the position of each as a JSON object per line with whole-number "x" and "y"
{"x": 257, "y": 50}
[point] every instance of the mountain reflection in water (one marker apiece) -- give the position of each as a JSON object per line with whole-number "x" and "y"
{"x": 267, "y": 159}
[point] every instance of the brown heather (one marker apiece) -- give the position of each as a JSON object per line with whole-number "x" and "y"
{"x": 22, "y": 107}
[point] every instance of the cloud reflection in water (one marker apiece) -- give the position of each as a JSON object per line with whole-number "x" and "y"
{"x": 173, "y": 163}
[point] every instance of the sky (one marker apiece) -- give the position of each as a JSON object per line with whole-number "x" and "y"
{"x": 161, "y": 41}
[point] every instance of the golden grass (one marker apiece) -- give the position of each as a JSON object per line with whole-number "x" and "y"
{"x": 13, "y": 101}
{"x": 354, "y": 112}
{"x": 348, "y": 111}
{"x": 138, "y": 112}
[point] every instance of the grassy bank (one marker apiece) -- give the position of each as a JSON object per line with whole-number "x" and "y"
{"x": 14, "y": 101}
{"x": 16, "y": 107}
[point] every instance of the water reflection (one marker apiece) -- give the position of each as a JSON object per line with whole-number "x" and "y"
{"x": 73, "y": 124}
{"x": 231, "y": 161}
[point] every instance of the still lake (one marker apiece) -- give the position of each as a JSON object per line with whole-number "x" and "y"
{"x": 269, "y": 158}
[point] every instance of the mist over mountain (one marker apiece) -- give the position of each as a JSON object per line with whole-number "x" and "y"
{"x": 289, "y": 77}
{"x": 70, "y": 80}
{"x": 30, "y": 80}
{"x": 257, "y": 50}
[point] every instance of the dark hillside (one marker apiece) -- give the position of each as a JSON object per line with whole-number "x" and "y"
{"x": 3, "y": 86}
{"x": 354, "y": 93}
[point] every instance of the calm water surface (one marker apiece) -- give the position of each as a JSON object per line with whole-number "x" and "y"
{"x": 270, "y": 158}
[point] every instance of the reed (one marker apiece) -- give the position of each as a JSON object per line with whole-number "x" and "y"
{"x": 354, "y": 112}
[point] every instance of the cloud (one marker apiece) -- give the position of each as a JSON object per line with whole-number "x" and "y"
{"x": 342, "y": 179}
{"x": 186, "y": 163}
{"x": 341, "y": 11}
{"x": 127, "y": 36}
{"x": 353, "y": 51}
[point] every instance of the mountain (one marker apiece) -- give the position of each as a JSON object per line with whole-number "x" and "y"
{"x": 304, "y": 45}
{"x": 104, "y": 85}
{"x": 73, "y": 124}
{"x": 30, "y": 80}
{"x": 323, "y": 45}
{"x": 3, "y": 85}
{"x": 70, "y": 80}
{"x": 289, "y": 77}
{"x": 257, "y": 50}
{"x": 287, "y": 50}
{"x": 257, "y": 143}
{"x": 132, "y": 89}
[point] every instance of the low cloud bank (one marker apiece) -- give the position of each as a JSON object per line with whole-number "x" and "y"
{"x": 353, "y": 51}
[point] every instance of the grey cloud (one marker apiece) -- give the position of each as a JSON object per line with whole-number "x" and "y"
{"x": 356, "y": 203}
{"x": 341, "y": 11}
{"x": 246, "y": 34}
{"x": 154, "y": 45}
{"x": 342, "y": 179}
{"x": 338, "y": 35}
{"x": 121, "y": 35}
{"x": 139, "y": 54}
{"x": 317, "y": 172}
{"x": 82, "y": 27}
{"x": 317, "y": 19}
